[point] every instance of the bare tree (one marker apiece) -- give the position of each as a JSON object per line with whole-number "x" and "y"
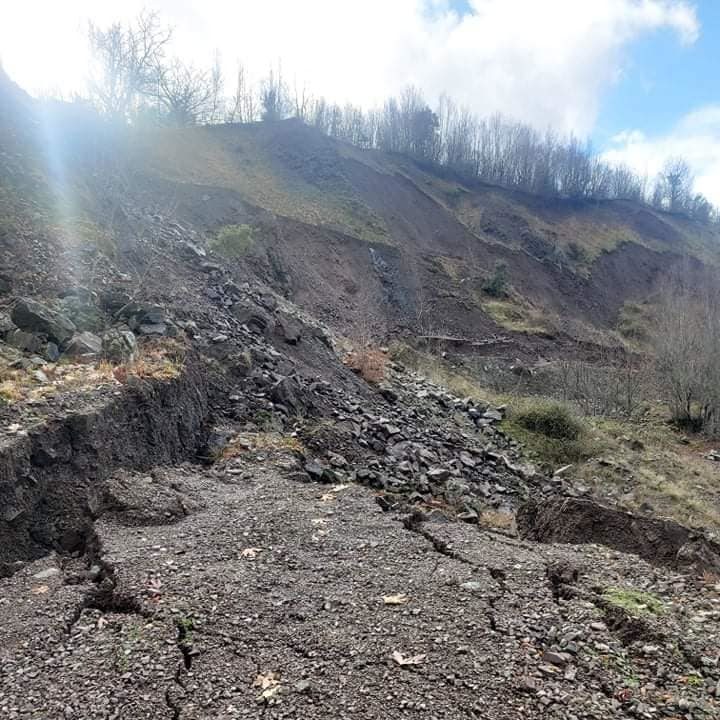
{"x": 675, "y": 183}
{"x": 126, "y": 59}
{"x": 274, "y": 97}
{"x": 687, "y": 351}
{"x": 243, "y": 107}
{"x": 216, "y": 110}
{"x": 184, "y": 93}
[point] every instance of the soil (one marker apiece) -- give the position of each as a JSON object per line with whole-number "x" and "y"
{"x": 269, "y": 603}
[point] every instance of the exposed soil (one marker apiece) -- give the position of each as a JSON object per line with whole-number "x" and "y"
{"x": 264, "y": 533}
{"x": 50, "y": 476}
{"x": 247, "y": 609}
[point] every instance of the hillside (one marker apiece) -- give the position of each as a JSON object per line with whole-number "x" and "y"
{"x": 221, "y": 497}
{"x": 347, "y": 233}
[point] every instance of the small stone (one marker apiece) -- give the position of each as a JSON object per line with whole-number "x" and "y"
{"x": 46, "y": 574}
{"x": 492, "y": 415}
{"x": 556, "y": 658}
{"x": 472, "y": 585}
{"x": 469, "y": 516}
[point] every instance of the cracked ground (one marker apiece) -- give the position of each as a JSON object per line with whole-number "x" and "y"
{"x": 279, "y": 599}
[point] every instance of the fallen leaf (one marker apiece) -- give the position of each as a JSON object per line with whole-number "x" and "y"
{"x": 319, "y": 521}
{"x": 101, "y": 623}
{"x": 13, "y": 428}
{"x": 327, "y": 497}
{"x": 250, "y": 553}
{"x": 399, "y": 599}
{"x": 39, "y": 589}
{"x": 267, "y": 680}
{"x": 400, "y": 659}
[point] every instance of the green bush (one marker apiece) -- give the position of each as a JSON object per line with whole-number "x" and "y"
{"x": 497, "y": 284}
{"x": 233, "y": 241}
{"x": 550, "y": 419}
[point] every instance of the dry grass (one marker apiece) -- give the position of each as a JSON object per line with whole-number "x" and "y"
{"x": 262, "y": 441}
{"x": 238, "y": 158}
{"x": 369, "y": 363}
{"x": 158, "y": 360}
{"x": 498, "y": 520}
{"x": 515, "y": 314}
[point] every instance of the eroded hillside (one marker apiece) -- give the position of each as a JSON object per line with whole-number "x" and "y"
{"x": 210, "y": 509}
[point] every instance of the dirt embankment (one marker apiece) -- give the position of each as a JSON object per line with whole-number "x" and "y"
{"x": 49, "y": 477}
{"x": 660, "y": 541}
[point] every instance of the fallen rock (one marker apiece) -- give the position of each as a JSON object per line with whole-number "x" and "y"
{"x": 288, "y": 329}
{"x": 84, "y": 345}
{"x": 254, "y": 318}
{"x": 119, "y": 346}
{"x": 21, "y": 340}
{"x": 35, "y": 317}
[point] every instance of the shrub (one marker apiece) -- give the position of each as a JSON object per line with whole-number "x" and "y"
{"x": 497, "y": 284}
{"x": 550, "y": 419}
{"x": 233, "y": 241}
{"x": 369, "y": 363}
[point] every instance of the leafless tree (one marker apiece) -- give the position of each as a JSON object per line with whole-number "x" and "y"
{"x": 216, "y": 110}
{"x": 274, "y": 98}
{"x": 675, "y": 185}
{"x": 686, "y": 345}
{"x": 184, "y": 93}
{"x": 125, "y": 64}
{"x": 243, "y": 107}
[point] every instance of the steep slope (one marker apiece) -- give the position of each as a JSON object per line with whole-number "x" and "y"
{"x": 347, "y": 234}
{"x": 340, "y": 213}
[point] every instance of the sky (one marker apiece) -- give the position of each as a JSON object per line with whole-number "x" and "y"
{"x": 638, "y": 77}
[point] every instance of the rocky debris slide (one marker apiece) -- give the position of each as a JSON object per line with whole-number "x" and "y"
{"x": 268, "y": 598}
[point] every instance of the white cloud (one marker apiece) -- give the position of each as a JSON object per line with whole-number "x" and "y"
{"x": 696, "y": 138}
{"x": 544, "y": 62}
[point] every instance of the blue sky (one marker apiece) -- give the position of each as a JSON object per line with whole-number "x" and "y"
{"x": 662, "y": 79}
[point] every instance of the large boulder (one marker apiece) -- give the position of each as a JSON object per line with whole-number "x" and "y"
{"x": 21, "y": 340}
{"x": 256, "y": 319}
{"x": 35, "y": 317}
{"x": 84, "y": 346}
{"x": 289, "y": 329}
{"x": 288, "y": 393}
{"x": 119, "y": 346}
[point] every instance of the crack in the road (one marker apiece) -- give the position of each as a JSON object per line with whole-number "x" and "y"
{"x": 415, "y": 523}
{"x": 105, "y": 595}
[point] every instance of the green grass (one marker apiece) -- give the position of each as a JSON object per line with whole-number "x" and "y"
{"x": 634, "y": 602}
{"x": 551, "y": 419}
{"x": 233, "y": 241}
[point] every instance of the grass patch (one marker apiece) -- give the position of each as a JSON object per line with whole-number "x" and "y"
{"x": 265, "y": 441}
{"x": 233, "y": 241}
{"x": 635, "y": 602}
{"x": 550, "y": 419}
{"x": 514, "y": 314}
{"x": 551, "y": 433}
{"x": 634, "y": 321}
{"x": 368, "y": 363}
